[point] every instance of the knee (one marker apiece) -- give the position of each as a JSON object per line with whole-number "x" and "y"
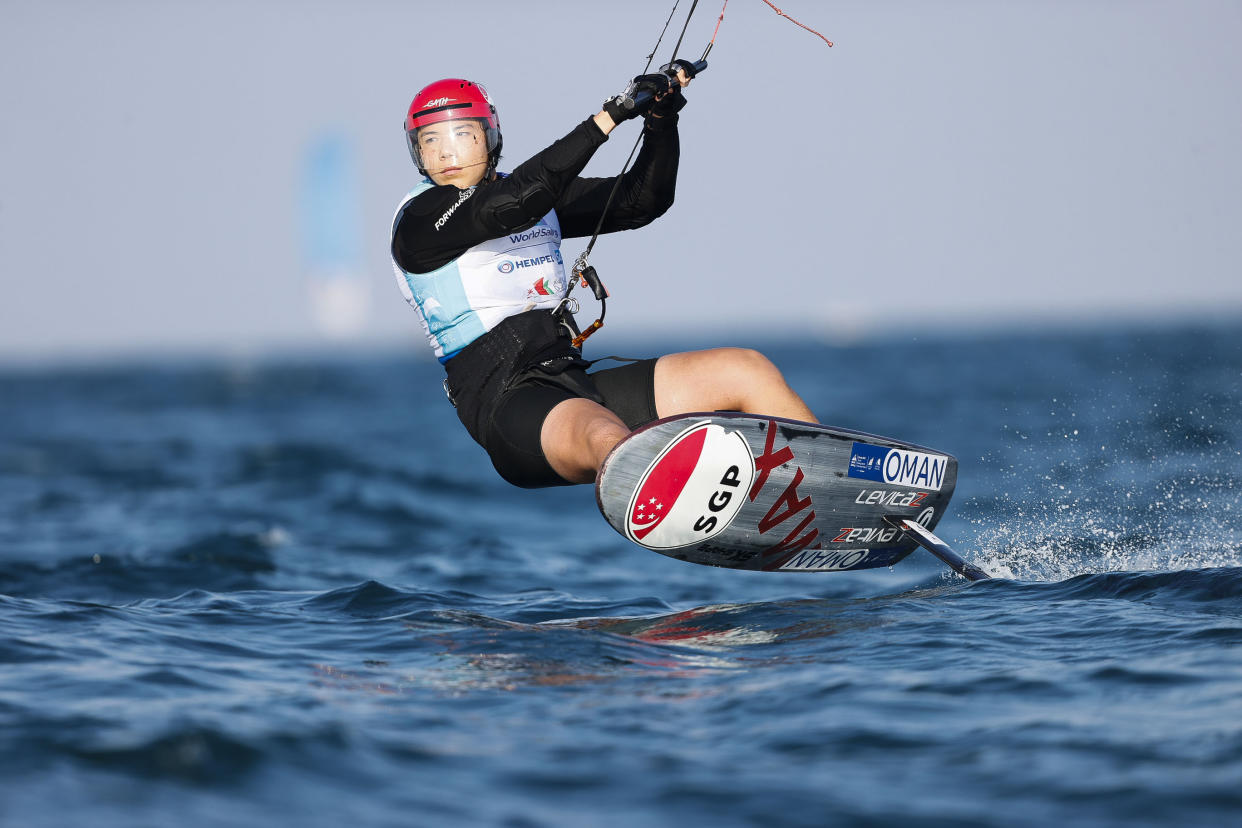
{"x": 751, "y": 365}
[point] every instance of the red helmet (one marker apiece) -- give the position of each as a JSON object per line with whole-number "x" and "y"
{"x": 452, "y": 99}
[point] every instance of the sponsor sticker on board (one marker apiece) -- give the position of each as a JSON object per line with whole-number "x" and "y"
{"x": 890, "y": 497}
{"x": 840, "y": 560}
{"x": 693, "y": 490}
{"x": 826, "y": 560}
{"x": 897, "y": 467}
{"x": 876, "y": 535}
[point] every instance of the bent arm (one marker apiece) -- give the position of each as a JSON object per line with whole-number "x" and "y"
{"x": 646, "y": 190}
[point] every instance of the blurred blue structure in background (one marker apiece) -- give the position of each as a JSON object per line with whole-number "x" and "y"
{"x": 331, "y": 237}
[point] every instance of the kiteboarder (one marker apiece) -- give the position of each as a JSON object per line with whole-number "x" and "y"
{"x": 477, "y": 254}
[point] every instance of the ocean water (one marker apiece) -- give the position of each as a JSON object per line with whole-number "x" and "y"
{"x": 294, "y": 592}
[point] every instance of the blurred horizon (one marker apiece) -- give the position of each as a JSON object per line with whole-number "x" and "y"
{"x": 622, "y": 343}
{"x": 220, "y": 178}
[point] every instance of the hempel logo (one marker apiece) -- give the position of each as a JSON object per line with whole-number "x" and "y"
{"x": 508, "y": 266}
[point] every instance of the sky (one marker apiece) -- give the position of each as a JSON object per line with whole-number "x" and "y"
{"x": 944, "y": 166}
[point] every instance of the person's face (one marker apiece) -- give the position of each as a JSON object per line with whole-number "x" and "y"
{"x": 454, "y": 152}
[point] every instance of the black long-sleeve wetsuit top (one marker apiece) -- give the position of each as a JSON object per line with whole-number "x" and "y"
{"x": 469, "y": 259}
{"x": 547, "y": 181}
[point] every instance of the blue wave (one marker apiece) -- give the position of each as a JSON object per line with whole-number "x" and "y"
{"x": 297, "y": 592}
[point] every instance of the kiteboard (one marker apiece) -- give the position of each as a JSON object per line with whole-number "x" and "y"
{"x": 770, "y": 494}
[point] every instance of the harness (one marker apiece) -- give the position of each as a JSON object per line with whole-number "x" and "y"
{"x": 532, "y": 345}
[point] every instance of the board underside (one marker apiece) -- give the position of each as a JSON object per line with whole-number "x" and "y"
{"x": 764, "y": 493}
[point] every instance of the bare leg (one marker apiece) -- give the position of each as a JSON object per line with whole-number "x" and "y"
{"x": 577, "y": 434}
{"x": 734, "y": 379}
{"x": 576, "y": 437}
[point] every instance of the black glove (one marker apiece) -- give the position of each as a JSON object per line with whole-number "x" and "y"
{"x": 673, "y": 102}
{"x": 637, "y": 97}
{"x": 670, "y": 104}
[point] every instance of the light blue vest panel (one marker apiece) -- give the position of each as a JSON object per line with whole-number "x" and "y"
{"x": 467, "y": 297}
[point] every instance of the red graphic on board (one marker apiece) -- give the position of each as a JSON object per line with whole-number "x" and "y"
{"x": 787, "y": 505}
{"x": 665, "y": 482}
{"x": 769, "y": 460}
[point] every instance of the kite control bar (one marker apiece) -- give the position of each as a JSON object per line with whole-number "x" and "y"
{"x": 691, "y": 68}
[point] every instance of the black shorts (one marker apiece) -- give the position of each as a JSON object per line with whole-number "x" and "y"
{"x": 512, "y": 437}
